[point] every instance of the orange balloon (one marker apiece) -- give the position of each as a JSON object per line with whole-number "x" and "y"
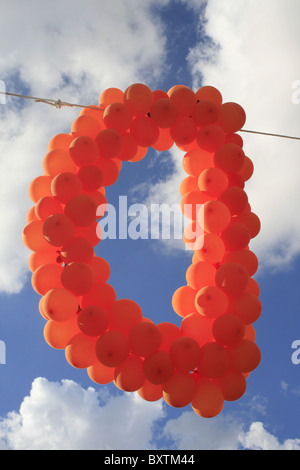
{"x": 250, "y": 333}
{"x": 58, "y": 229}
{"x": 197, "y": 327}
{"x": 38, "y": 258}
{"x": 40, "y": 187}
{"x": 184, "y": 131}
{"x": 79, "y": 249}
{"x": 33, "y": 237}
{"x": 211, "y": 301}
{"x": 191, "y": 203}
{"x": 235, "y": 237}
{"x": 233, "y": 385}
{"x": 78, "y": 278}
{"x": 92, "y": 233}
{"x": 130, "y": 147}
{"x": 235, "y": 199}
{"x": 92, "y": 320}
{"x": 47, "y": 206}
{"x": 87, "y": 126}
{"x": 123, "y": 315}
{"x": 208, "y": 400}
{"x": 247, "y": 169}
{"x": 179, "y": 390}
{"x": 144, "y": 338}
{"x": 209, "y": 93}
{"x": 112, "y": 348}
{"x": 214, "y": 216}
{"x": 205, "y": 112}
{"x": 117, "y": 116}
{"x": 101, "y": 374}
{"x": 80, "y": 352}
{"x": 158, "y": 367}
{"x": 164, "y": 141}
{"x": 210, "y": 137}
{"x": 229, "y": 157}
{"x": 234, "y": 139}
{"x": 31, "y": 215}
{"x": 65, "y": 186}
{"x": 251, "y": 221}
{"x": 145, "y": 131}
{"x": 213, "y": 182}
{"x": 109, "y": 96}
{"x": 183, "y": 301}
{"x": 169, "y": 332}
{"x": 59, "y": 334}
{"x": 210, "y": 248}
{"x": 110, "y": 143}
{"x": 247, "y": 307}
{"x": 59, "y": 304}
{"x": 110, "y": 170}
{"x": 81, "y": 210}
{"x": 214, "y": 360}
{"x": 101, "y": 269}
{"x": 245, "y": 257}
{"x": 184, "y": 98}
{"x": 185, "y": 353}
{"x": 60, "y": 141}
{"x": 245, "y": 356}
{"x": 150, "y": 392}
{"x": 253, "y": 287}
{"x": 58, "y": 161}
{"x": 164, "y": 112}
{"x": 195, "y": 161}
{"x": 102, "y": 294}
{"x": 188, "y": 184}
{"x": 84, "y": 151}
{"x": 232, "y": 278}
{"x": 129, "y": 376}
{"x": 94, "y": 111}
{"x": 90, "y": 177}
{"x": 200, "y": 274}
{"x": 138, "y": 98}
{"x": 232, "y": 117}
{"x": 46, "y": 277}
{"x": 228, "y": 329}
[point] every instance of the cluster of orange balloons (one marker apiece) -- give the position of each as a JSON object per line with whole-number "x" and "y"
{"x": 206, "y": 360}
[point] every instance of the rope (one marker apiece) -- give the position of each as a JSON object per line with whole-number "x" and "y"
{"x": 59, "y": 104}
{"x": 56, "y": 103}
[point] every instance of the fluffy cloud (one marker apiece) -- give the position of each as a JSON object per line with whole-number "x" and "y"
{"x": 258, "y": 438}
{"x": 65, "y": 416}
{"x": 242, "y": 54}
{"x": 72, "y": 53}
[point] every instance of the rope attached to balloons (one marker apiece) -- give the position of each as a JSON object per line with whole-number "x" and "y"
{"x": 208, "y": 359}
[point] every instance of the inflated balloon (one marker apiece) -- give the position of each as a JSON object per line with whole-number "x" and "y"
{"x": 207, "y": 359}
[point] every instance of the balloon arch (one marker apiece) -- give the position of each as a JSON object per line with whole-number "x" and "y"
{"x": 207, "y": 360}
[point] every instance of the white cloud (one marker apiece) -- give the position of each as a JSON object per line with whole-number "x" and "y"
{"x": 250, "y": 62}
{"x": 64, "y": 416}
{"x": 258, "y": 438}
{"x": 72, "y": 52}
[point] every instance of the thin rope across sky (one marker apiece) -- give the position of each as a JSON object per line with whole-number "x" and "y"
{"x": 59, "y": 104}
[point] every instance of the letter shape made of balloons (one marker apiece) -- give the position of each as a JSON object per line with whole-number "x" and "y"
{"x": 207, "y": 360}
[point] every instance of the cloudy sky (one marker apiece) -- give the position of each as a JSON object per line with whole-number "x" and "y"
{"x": 74, "y": 51}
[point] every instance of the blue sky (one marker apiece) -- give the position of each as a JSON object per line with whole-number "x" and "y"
{"x": 72, "y": 52}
